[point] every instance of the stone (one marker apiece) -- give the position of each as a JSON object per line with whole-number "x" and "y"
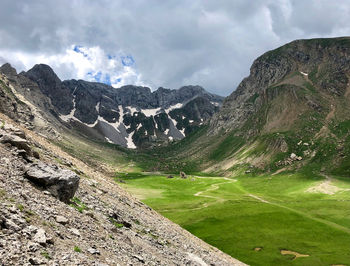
{"x": 33, "y": 247}
{"x": 36, "y": 155}
{"x": 30, "y": 230}
{"x": 61, "y": 219}
{"x": 35, "y": 261}
{"x": 9, "y": 224}
{"x": 74, "y": 231}
{"x": 293, "y": 156}
{"x": 183, "y": 175}
{"x": 14, "y": 131}
{"x": 40, "y": 237}
{"x": 94, "y": 251}
{"x": 62, "y": 183}
{"x": 16, "y": 141}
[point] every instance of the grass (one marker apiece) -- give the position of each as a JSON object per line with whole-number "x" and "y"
{"x": 2, "y": 193}
{"x": 46, "y": 255}
{"x": 230, "y": 144}
{"x": 77, "y": 249}
{"x": 226, "y": 216}
{"x": 78, "y": 204}
{"x": 115, "y": 223}
{"x": 20, "y": 207}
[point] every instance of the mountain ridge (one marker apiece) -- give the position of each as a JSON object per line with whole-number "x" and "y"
{"x": 294, "y": 104}
{"x": 131, "y": 116}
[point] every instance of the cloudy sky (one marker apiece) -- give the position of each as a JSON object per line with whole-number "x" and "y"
{"x": 155, "y": 43}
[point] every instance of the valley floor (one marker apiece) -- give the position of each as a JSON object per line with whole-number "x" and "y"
{"x": 284, "y": 219}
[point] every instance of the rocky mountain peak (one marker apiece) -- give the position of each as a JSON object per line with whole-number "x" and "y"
{"x": 131, "y": 116}
{"x": 44, "y": 73}
{"x": 323, "y": 63}
{"x": 8, "y": 70}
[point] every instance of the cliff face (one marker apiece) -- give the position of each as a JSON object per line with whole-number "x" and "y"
{"x": 321, "y": 63}
{"x": 130, "y": 116}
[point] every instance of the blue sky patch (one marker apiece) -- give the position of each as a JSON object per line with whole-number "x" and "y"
{"x": 100, "y": 77}
{"x": 127, "y": 60}
{"x": 107, "y": 80}
{"x": 77, "y": 49}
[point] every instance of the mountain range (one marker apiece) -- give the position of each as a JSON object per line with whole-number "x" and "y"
{"x": 131, "y": 116}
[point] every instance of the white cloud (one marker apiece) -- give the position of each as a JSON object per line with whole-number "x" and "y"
{"x": 88, "y": 63}
{"x": 173, "y": 42}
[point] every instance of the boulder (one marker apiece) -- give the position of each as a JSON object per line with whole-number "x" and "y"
{"x": 40, "y": 237}
{"x": 62, "y": 183}
{"x": 61, "y": 219}
{"x": 183, "y": 175}
{"x": 14, "y": 131}
{"x": 94, "y": 251}
{"x": 16, "y": 141}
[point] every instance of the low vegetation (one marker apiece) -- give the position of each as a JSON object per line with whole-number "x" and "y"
{"x": 254, "y": 218}
{"x": 78, "y": 204}
{"x": 77, "y": 249}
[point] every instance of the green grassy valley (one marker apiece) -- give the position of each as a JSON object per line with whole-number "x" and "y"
{"x": 269, "y": 181}
{"x": 257, "y": 218}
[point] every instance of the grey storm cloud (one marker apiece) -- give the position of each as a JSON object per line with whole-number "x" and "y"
{"x": 173, "y": 42}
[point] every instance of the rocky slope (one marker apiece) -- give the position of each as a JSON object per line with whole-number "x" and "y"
{"x": 102, "y": 225}
{"x": 319, "y": 64}
{"x": 130, "y": 116}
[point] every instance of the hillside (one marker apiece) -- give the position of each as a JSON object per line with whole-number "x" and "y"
{"x": 57, "y": 209}
{"x": 291, "y": 112}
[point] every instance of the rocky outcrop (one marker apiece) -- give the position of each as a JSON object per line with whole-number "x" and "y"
{"x": 323, "y": 63}
{"x": 22, "y": 100}
{"x": 10, "y": 104}
{"x": 51, "y": 86}
{"x": 62, "y": 183}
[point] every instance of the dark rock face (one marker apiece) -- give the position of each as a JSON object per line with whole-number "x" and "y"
{"x": 51, "y": 86}
{"x": 131, "y": 116}
{"x": 324, "y": 62}
{"x": 8, "y": 70}
{"x": 9, "y": 102}
{"x": 60, "y": 182}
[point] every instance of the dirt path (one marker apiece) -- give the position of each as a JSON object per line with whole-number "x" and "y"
{"x": 325, "y": 187}
{"x": 294, "y": 253}
{"x": 272, "y": 201}
{"x": 309, "y": 216}
{"x": 212, "y": 187}
{"x": 258, "y": 198}
{"x": 305, "y": 215}
{"x": 219, "y": 199}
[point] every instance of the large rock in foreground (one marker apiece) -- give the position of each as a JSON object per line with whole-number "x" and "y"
{"x": 62, "y": 183}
